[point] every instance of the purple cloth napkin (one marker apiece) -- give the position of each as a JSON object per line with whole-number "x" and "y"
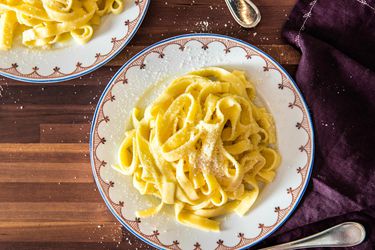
{"x": 336, "y": 75}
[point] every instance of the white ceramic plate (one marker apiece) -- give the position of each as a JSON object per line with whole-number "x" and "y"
{"x": 71, "y": 60}
{"x": 134, "y": 86}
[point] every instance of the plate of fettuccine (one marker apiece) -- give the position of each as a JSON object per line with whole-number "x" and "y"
{"x": 58, "y": 40}
{"x": 202, "y": 142}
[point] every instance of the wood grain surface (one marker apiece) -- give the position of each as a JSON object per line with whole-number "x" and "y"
{"x": 48, "y": 198}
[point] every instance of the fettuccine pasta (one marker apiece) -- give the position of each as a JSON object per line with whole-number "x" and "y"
{"x": 203, "y": 146}
{"x": 46, "y": 22}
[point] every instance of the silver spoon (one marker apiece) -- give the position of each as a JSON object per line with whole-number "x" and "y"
{"x": 244, "y": 12}
{"x": 347, "y": 234}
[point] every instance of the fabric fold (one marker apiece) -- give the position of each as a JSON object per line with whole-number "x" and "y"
{"x": 336, "y": 75}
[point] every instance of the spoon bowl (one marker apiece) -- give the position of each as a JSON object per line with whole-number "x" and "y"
{"x": 347, "y": 234}
{"x": 244, "y": 12}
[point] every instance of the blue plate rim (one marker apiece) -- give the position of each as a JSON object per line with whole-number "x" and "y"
{"x": 308, "y": 176}
{"x": 88, "y": 71}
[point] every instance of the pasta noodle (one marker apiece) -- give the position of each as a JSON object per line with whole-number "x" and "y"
{"x": 46, "y": 22}
{"x": 203, "y": 146}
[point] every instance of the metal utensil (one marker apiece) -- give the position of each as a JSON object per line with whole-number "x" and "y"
{"x": 343, "y": 235}
{"x": 244, "y": 12}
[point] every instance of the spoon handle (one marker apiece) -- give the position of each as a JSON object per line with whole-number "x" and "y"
{"x": 245, "y": 12}
{"x": 343, "y": 235}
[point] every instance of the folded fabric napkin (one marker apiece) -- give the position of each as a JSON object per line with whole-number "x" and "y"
{"x": 336, "y": 75}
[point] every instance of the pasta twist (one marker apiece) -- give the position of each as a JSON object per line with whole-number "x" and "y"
{"x": 202, "y": 146}
{"x": 46, "y": 22}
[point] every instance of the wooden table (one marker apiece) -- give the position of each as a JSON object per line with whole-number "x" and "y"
{"x": 45, "y": 173}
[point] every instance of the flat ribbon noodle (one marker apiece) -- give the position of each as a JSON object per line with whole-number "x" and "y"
{"x": 203, "y": 146}
{"x": 47, "y": 22}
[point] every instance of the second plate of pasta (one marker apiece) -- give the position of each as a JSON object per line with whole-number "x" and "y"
{"x": 201, "y": 142}
{"x": 57, "y": 40}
